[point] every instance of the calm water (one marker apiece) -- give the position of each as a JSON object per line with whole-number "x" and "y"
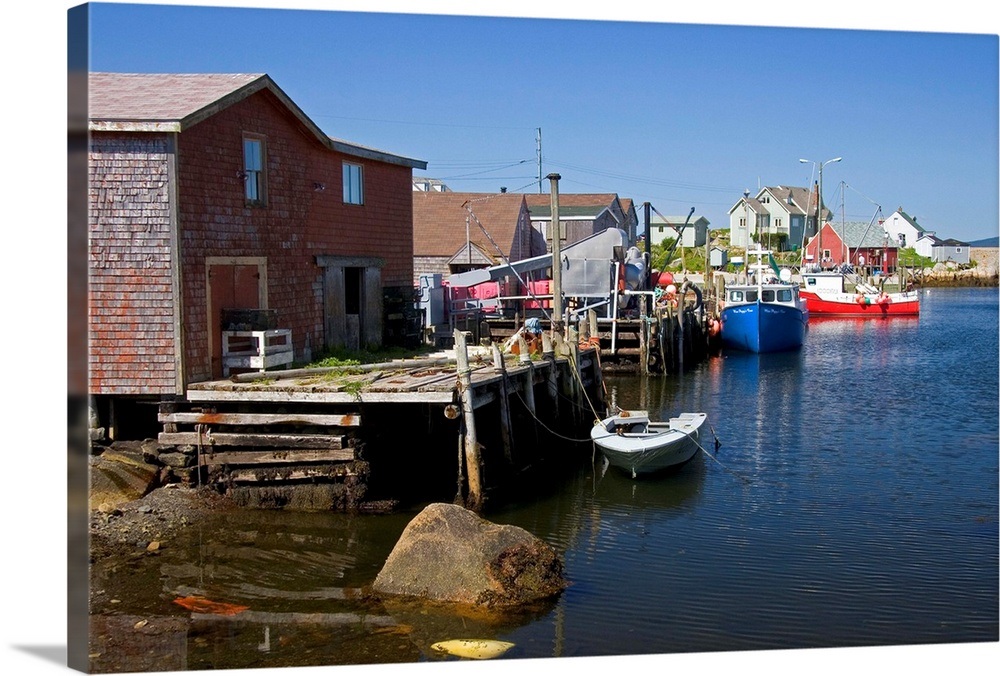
{"x": 852, "y": 502}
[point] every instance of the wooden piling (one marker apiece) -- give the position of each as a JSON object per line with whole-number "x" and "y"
{"x": 662, "y": 335}
{"x": 473, "y": 463}
{"x": 680, "y": 339}
{"x": 529, "y": 376}
{"x": 644, "y": 341}
{"x": 549, "y": 355}
{"x": 505, "y": 425}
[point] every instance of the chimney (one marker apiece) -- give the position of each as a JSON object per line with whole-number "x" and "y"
{"x": 503, "y": 189}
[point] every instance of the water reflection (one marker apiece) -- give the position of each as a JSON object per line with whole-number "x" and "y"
{"x": 617, "y": 491}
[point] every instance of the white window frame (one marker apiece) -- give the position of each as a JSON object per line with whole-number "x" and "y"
{"x": 254, "y": 170}
{"x": 354, "y": 183}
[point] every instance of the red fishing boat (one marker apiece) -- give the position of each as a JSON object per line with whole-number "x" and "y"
{"x": 826, "y": 296}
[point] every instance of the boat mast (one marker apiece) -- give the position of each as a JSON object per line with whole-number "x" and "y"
{"x": 746, "y": 221}
{"x": 819, "y": 206}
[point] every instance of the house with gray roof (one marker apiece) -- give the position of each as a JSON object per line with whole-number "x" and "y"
{"x": 942, "y": 250}
{"x": 862, "y": 244}
{"x": 779, "y": 217}
{"x": 904, "y": 228}
{"x": 581, "y": 215}
{"x": 694, "y": 234}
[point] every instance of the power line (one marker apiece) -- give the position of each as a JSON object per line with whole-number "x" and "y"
{"x": 642, "y": 179}
{"x": 484, "y": 171}
{"x": 422, "y": 124}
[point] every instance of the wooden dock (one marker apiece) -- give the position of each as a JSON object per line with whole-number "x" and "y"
{"x": 462, "y": 422}
{"x": 664, "y": 340}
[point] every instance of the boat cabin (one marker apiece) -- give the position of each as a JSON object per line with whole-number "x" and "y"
{"x": 823, "y": 281}
{"x": 767, "y": 293}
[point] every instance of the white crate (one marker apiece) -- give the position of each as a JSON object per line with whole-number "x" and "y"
{"x": 256, "y": 350}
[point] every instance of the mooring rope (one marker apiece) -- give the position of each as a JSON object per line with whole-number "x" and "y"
{"x": 702, "y": 448}
{"x": 576, "y": 372}
{"x": 543, "y": 425}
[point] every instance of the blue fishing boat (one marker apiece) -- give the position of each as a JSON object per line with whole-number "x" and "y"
{"x": 765, "y": 313}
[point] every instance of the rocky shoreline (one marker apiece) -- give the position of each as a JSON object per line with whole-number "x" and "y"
{"x": 133, "y": 511}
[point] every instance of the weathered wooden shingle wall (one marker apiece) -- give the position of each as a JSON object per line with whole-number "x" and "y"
{"x": 133, "y": 349}
{"x": 131, "y": 317}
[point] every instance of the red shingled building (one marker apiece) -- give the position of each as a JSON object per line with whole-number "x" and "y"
{"x": 216, "y": 192}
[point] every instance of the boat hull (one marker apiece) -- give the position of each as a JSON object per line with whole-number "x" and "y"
{"x": 847, "y": 305}
{"x": 763, "y": 327}
{"x": 643, "y": 447}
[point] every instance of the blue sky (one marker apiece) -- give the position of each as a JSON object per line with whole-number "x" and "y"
{"x": 677, "y": 114}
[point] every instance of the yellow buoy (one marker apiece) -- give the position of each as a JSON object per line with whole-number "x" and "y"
{"x": 473, "y": 648}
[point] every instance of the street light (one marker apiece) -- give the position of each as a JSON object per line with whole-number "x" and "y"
{"x": 819, "y": 206}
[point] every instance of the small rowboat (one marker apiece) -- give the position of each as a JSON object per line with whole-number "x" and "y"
{"x": 634, "y": 443}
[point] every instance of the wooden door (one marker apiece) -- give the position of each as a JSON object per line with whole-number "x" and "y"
{"x": 232, "y": 286}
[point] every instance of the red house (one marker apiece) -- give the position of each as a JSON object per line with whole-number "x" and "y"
{"x": 210, "y": 194}
{"x": 861, "y": 244}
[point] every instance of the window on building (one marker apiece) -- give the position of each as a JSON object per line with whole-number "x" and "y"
{"x": 254, "y": 176}
{"x": 354, "y": 190}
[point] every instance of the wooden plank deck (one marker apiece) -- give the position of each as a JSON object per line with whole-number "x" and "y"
{"x": 281, "y": 436}
{"x": 392, "y": 382}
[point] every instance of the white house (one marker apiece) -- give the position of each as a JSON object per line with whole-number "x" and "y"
{"x": 695, "y": 233}
{"x": 904, "y": 229}
{"x": 780, "y": 217}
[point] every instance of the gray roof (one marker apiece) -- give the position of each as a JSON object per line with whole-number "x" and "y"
{"x": 676, "y": 221}
{"x": 582, "y": 212}
{"x": 802, "y": 201}
{"x": 173, "y": 102}
{"x": 859, "y": 234}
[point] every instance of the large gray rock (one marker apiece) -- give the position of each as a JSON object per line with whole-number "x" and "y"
{"x": 448, "y": 553}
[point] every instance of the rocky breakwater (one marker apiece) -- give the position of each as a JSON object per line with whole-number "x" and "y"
{"x": 982, "y": 270}
{"x": 952, "y": 274}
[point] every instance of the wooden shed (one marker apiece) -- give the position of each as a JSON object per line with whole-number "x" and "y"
{"x": 215, "y": 193}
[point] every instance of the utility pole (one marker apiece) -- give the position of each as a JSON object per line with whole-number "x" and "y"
{"x": 556, "y": 256}
{"x": 538, "y": 151}
{"x": 645, "y": 211}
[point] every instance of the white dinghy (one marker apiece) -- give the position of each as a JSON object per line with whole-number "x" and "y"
{"x": 634, "y": 443}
